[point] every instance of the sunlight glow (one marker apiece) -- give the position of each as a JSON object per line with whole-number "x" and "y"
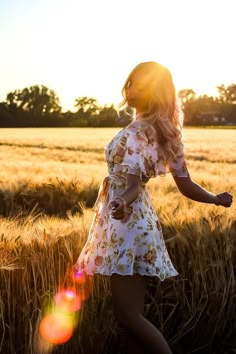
{"x": 88, "y": 48}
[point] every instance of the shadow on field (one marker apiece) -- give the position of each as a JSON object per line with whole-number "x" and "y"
{"x": 54, "y": 198}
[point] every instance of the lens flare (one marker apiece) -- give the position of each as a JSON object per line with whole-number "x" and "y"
{"x": 67, "y": 300}
{"x": 56, "y": 328}
{"x": 85, "y": 290}
{"x": 82, "y": 282}
{"x": 78, "y": 277}
{"x": 62, "y": 317}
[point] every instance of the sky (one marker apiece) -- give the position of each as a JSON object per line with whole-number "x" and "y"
{"x": 88, "y": 47}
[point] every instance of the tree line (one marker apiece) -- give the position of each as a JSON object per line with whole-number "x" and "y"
{"x": 210, "y": 110}
{"x": 39, "y": 106}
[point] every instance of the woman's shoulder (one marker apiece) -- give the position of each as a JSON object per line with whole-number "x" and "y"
{"x": 141, "y": 126}
{"x": 142, "y": 131}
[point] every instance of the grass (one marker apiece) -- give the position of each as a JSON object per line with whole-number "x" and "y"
{"x": 49, "y": 180}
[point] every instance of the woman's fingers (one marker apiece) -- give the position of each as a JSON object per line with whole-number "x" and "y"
{"x": 117, "y": 209}
{"x": 225, "y": 199}
{"x": 118, "y": 215}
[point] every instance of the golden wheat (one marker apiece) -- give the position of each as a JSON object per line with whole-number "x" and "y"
{"x": 51, "y": 167}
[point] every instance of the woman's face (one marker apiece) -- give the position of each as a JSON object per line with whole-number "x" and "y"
{"x": 138, "y": 92}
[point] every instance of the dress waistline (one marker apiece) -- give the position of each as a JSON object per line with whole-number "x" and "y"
{"x": 103, "y": 190}
{"x": 104, "y": 187}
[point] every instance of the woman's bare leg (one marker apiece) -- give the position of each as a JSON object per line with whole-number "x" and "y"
{"x": 128, "y": 299}
{"x": 134, "y": 346}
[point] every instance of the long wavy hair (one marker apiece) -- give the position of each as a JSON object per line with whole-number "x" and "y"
{"x": 162, "y": 110}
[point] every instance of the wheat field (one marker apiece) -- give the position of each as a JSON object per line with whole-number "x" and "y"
{"x": 49, "y": 182}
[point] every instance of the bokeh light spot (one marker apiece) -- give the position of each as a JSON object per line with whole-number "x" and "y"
{"x": 56, "y": 328}
{"x": 79, "y": 277}
{"x": 85, "y": 290}
{"x": 67, "y": 300}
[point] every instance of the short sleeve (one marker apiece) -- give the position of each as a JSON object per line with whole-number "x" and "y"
{"x": 178, "y": 166}
{"x": 135, "y": 153}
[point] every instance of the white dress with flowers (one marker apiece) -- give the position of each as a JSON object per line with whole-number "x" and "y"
{"x": 135, "y": 244}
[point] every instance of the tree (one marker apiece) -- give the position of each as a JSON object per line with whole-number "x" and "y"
{"x": 87, "y": 111}
{"x": 188, "y": 99}
{"x": 107, "y": 116}
{"x": 186, "y": 95}
{"x": 227, "y": 94}
{"x": 6, "y": 117}
{"x": 36, "y": 100}
{"x": 87, "y": 105}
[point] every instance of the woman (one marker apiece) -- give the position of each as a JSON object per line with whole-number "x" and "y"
{"x": 125, "y": 240}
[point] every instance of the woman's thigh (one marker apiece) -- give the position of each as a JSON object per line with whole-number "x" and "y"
{"x": 128, "y": 293}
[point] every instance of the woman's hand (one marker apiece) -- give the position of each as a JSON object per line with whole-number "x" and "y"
{"x": 225, "y": 199}
{"x": 195, "y": 192}
{"x": 117, "y": 207}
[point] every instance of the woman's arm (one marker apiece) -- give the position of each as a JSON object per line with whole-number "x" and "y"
{"x": 195, "y": 192}
{"x": 185, "y": 185}
{"x": 119, "y": 204}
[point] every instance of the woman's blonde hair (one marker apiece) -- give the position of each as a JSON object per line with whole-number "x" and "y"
{"x": 162, "y": 110}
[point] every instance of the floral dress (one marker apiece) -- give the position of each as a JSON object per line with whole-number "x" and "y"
{"x": 135, "y": 244}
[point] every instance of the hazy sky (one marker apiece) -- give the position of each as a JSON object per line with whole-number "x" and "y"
{"x": 87, "y": 48}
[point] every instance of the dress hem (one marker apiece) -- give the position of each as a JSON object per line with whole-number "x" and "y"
{"x": 135, "y": 273}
